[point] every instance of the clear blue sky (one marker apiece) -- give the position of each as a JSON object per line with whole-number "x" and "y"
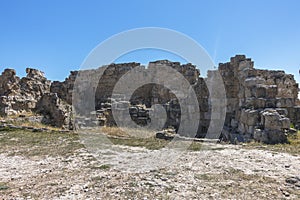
{"x": 56, "y": 36}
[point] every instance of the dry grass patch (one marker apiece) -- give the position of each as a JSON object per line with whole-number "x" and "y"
{"x": 27, "y": 123}
{"x": 27, "y": 143}
{"x": 3, "y": 186}
{"x": 127, "y": 132}
{"x": 23, "y": 121}
{"x": 292, "y": 147}
{"x": 133, "y": 137}
{"x": 146, "y": 138}
{"x": 114, "y": 132}
{"x": 149, "y": 143}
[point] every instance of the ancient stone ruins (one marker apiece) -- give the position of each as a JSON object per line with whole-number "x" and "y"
{"x": 262, "y": 105}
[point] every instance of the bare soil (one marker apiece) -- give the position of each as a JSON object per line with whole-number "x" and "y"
{"x": 57, "y": 166}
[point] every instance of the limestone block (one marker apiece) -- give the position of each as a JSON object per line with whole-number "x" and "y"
{"x": 260, "y": 91}
{"x": 272, "y": 120}
{"x": 274, "y": 136}
{"x": 253, "y": 81}
{"x": 256, "y": 103}
{"x": 282, "y": 111}
{"x": 285, "y": 123}
{"x": 285, "y": 102}
{"x": 270, "y": 103}
{"x": 271, "y": 91}
{"x": 249, "y": 117}
{"x": 269, "y": 136}
{"x": 245, "y": 65}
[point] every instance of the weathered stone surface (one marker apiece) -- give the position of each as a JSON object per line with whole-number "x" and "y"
{"x": 147, "y": 95}
{"x": 249, "y": 117}
{"x": 64, "y": 89}
{"x": 294, "y": 114}
{"x": 254, "y": 89}
{"x": 270, "y": 136}
{"x": 55, "y": 111}
{"x": 285, "y": 102}
{"x": 273, "y": 127}
{"x": 259, "y": 135}
{"x": 272, "y": 120}
{"x": 253, "y": 81}
{"x": 21, "y": 95}
{"x": 271, "y": 91}
{"x": 261, "y": 104}
{"x": 282, "y": 111}
{"x": 9, "y": 83}
{"x": 31, "y": 94}
{"x": 34, "y": 85}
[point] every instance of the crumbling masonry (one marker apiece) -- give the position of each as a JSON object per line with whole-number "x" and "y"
{"x": 261, "y": 104}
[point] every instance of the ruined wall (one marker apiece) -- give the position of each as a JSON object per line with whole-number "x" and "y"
{"x": 21, "y": 95}
{"x": 9, "y": 88}
{"x": 64, "y": 89}
{"x": 261, "y": 104}
{"x": 55, "y": 112}
{"x": 109, "y": 78}
{"x": 147, "y": 95}
{"x": 32, "y": 94}
{"x": 253, "y": 96}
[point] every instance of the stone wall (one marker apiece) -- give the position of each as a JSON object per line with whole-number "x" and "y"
{"x": 253, "y": 96}
{"x": 64, "y": 89}
{"x": 31, "y": 94}
{"x": 147, "y": 95}
{"x": 261, "y": 104}
{"x": 9, "y": 88}
{"x": 55, "y": 111}
{"x": 21, "y": 95}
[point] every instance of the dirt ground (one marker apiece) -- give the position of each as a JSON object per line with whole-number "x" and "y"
{"x": 221, "y": 171}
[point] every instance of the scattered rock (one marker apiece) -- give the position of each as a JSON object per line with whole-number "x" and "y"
{"x": 163, "y": 135}
{"x": 292, "y": 180}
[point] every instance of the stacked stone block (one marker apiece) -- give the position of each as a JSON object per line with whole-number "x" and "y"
{"x": 261, "y": 104}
